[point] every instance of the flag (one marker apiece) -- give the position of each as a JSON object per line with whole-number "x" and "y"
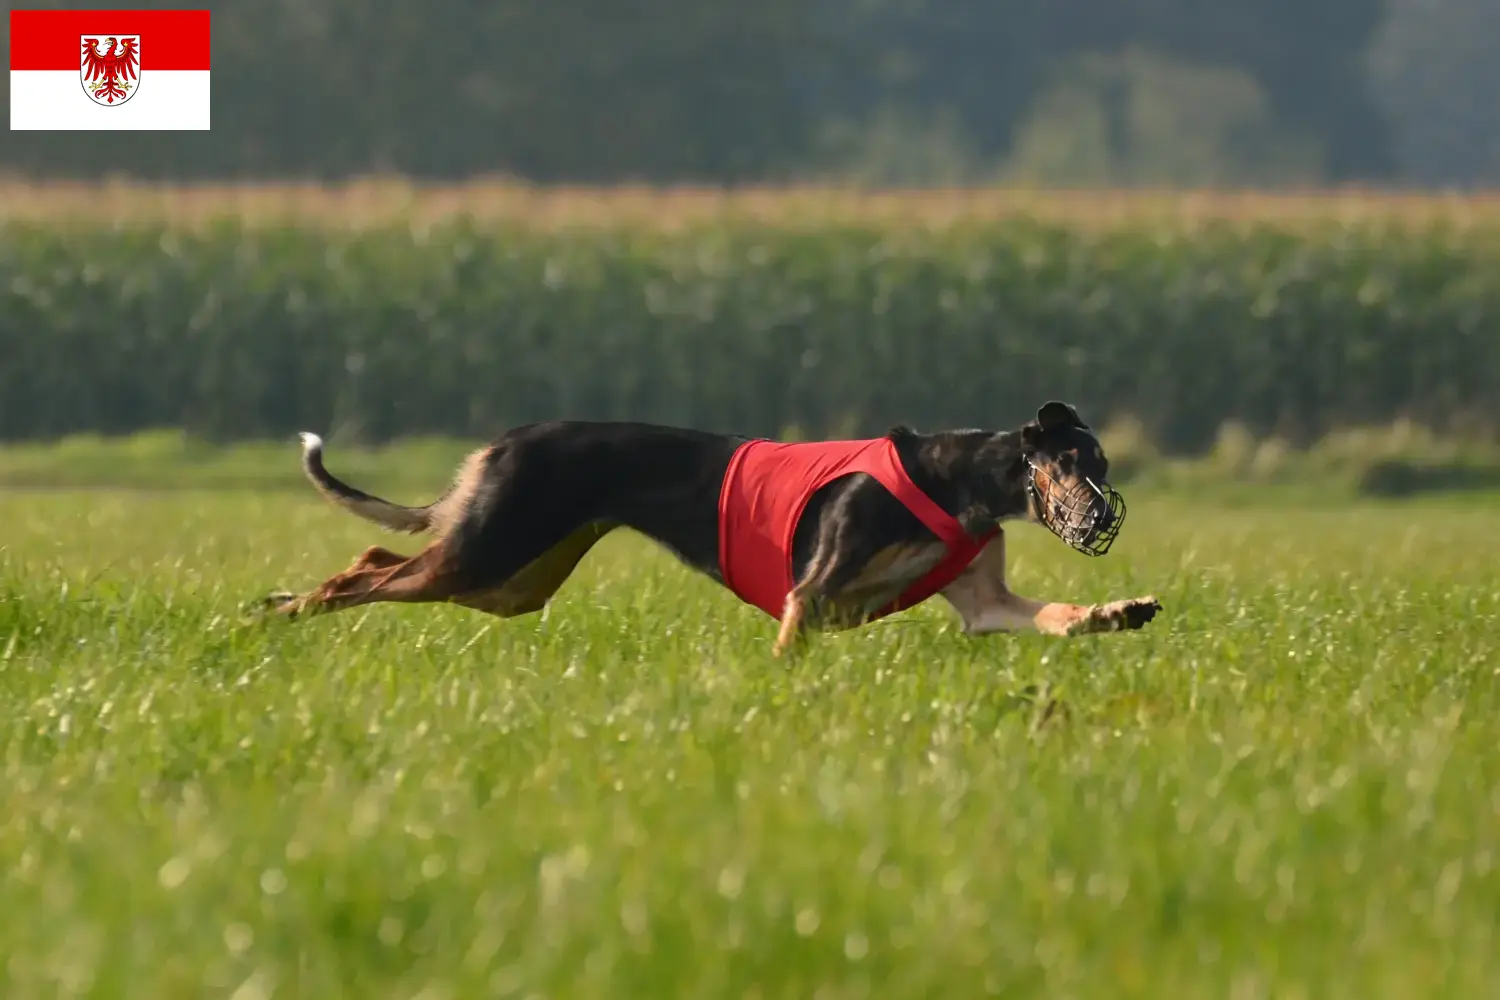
{"x": 79, "y": 70}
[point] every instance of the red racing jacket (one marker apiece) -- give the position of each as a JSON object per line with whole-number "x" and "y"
{"x": 765, "y": 491}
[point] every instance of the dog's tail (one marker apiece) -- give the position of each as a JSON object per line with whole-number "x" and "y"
{"x": 414, "y": 520}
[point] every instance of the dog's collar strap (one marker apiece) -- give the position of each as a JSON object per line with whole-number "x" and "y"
{"x": 883, "y": 462}
{"x": 890, "y": 474}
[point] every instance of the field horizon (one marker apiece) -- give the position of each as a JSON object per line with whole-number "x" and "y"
{"x": 1399, "y": 462}
{"x": 377, "y": 200}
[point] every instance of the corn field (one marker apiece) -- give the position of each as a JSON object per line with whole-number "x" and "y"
{"x": 387, "y": 311}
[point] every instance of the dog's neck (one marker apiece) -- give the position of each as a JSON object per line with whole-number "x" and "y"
{"x": 977, "y": 476}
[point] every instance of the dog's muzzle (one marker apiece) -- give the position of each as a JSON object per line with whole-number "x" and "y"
{"x": 1086, "y": 515}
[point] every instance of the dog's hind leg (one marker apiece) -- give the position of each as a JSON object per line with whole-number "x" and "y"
{"x": 533, "y": 586}
{"x": 376, "y": 557}
{"x": 373, "y": 558}
{"x": 433, "y": 576}
{"x": 986, "y": 604}
{"x": 379, "y": 575}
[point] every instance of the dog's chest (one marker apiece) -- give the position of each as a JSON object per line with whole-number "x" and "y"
{"x": 890, "y": 573}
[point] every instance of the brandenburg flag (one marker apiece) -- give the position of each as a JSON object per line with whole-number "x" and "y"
{"x": 74, "y": 70}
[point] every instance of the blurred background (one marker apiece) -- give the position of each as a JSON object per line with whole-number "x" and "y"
{"x": 1231, "y": 227}
{"x": 909, "y": 92}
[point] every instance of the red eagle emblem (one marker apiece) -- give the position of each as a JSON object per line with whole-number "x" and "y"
{"x": 111, "y": 73}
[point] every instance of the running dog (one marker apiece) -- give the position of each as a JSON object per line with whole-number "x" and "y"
{"x": 820, "y": 535}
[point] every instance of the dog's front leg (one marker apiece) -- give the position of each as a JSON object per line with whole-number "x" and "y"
{"x": 792, "y": 623}
{"x": 986, "y": 604}
{"x": 849, "y": 579}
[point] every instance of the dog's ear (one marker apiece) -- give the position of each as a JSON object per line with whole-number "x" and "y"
{"x": 1058, "y": 414}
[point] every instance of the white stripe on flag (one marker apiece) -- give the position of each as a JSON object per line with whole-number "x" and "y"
{"x": 53, "y": 100}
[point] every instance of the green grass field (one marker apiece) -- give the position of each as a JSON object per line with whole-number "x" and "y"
{"x": 1287, "y": 786}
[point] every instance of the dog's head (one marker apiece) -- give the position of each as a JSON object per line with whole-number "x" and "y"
{"x": 1067, "y": 480}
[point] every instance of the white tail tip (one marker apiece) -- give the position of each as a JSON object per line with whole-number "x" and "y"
{"x": 311, "y": 442}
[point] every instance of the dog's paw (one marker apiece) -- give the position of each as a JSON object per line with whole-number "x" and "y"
{"x": 1132, "y": 613}
{"x": 1119, "y": 616}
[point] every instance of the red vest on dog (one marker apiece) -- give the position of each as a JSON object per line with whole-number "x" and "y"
{"x": 768, "y": 486}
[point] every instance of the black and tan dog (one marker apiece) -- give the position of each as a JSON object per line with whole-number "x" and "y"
{"x": 861, "y": 539}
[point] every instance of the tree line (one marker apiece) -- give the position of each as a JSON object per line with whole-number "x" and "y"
{"x": 664, "y": 91}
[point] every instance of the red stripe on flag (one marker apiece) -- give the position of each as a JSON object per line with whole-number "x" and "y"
{"x": 51, "y": 39}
